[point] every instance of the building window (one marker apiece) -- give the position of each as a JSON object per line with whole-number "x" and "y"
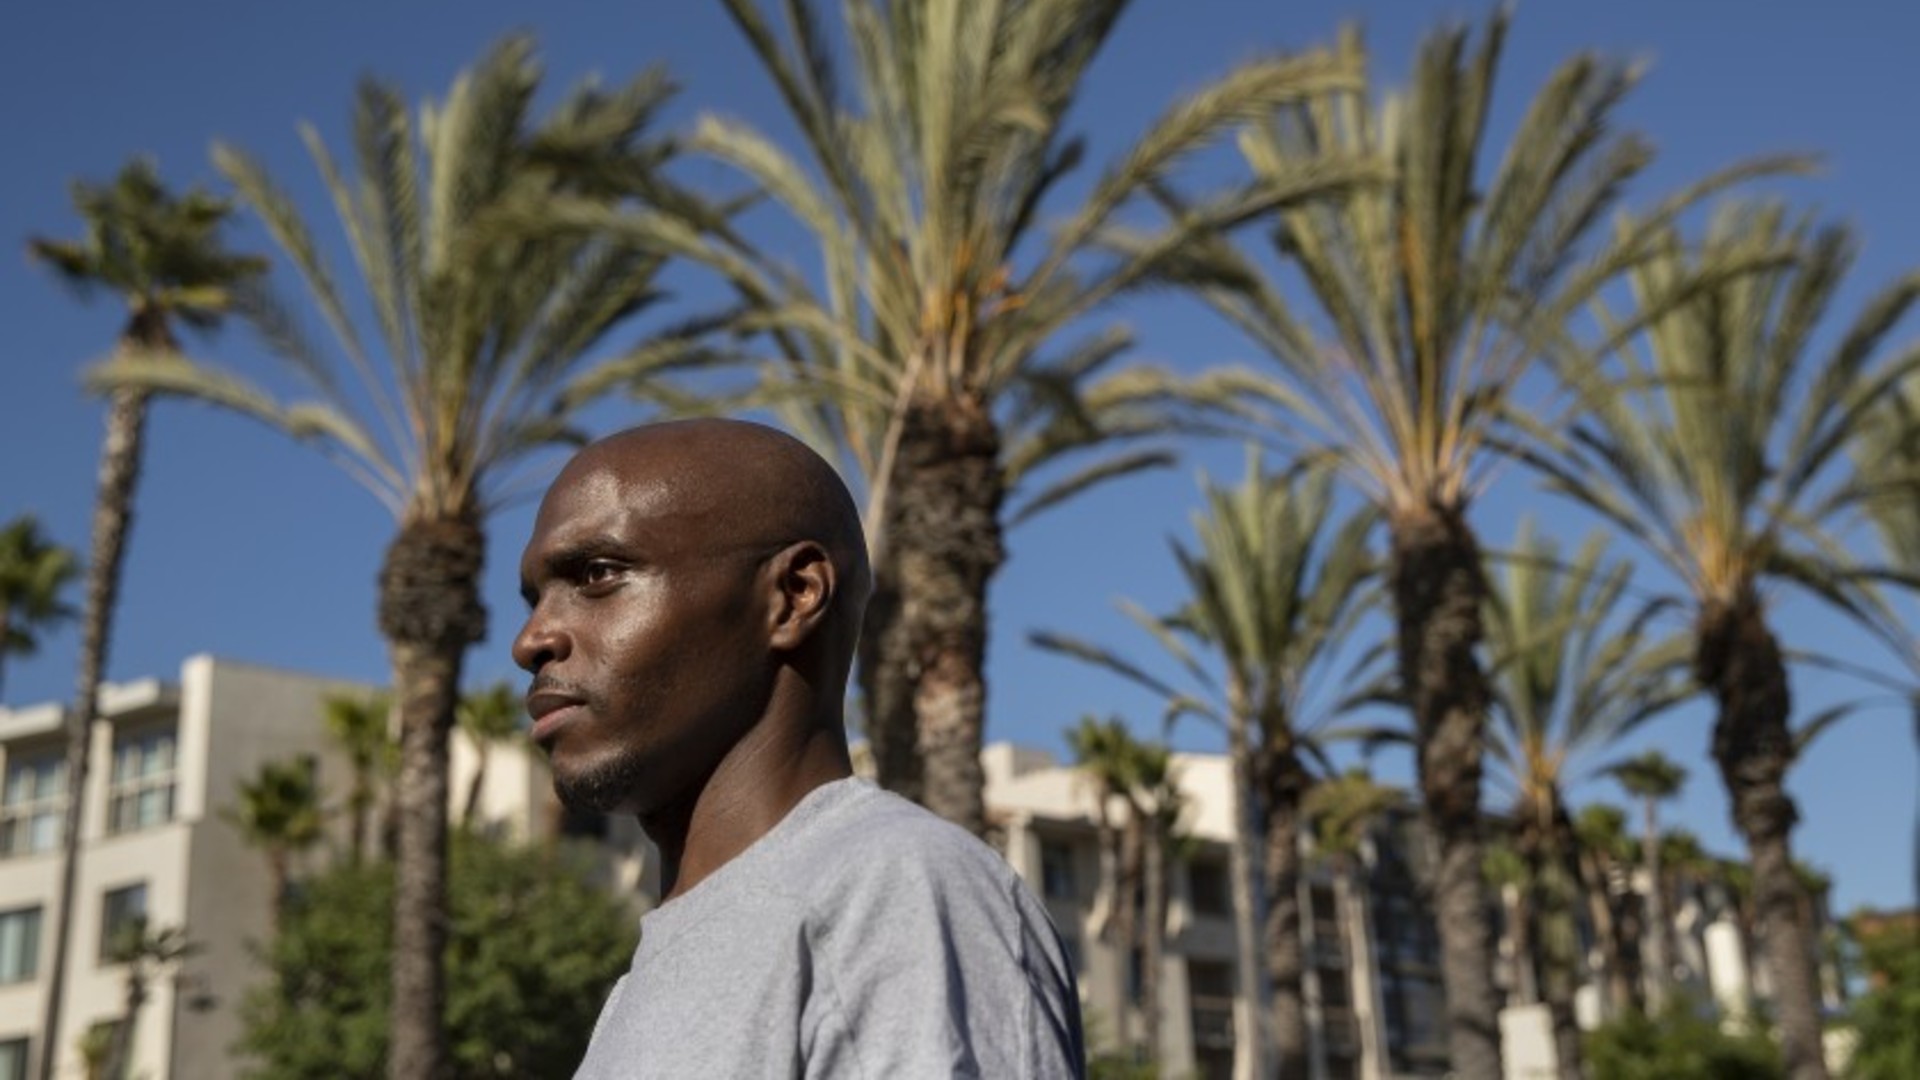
{"x": 143, "y": 771}
{"x": 1207, "y": 888}
{"x": 34, "y": 805}
{"x": 1056, "y": 871}
{"x": 13, "y": 1059}
{"x": 1210, "y": 1010}
{"x": 123, "y": 912}
{"x": 19, "y": 944}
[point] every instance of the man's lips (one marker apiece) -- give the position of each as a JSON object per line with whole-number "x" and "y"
{"x": 550, "y": 709}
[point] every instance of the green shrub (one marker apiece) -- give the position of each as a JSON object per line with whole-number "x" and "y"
{"x": 1678, "y": 1044}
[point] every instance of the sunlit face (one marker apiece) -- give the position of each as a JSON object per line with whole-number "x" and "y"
{"x": 646, "y": 637}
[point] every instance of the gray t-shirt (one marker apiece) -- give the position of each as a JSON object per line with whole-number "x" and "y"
{"x": 861, "y": 937}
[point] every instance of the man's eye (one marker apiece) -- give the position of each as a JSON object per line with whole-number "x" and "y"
{"x": 598, "y": 573}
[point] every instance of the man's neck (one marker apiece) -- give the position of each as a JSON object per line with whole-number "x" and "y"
{"x": 754, "y": 787}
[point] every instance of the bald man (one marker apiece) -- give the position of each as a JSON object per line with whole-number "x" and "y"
{"x": 696, "y": 590}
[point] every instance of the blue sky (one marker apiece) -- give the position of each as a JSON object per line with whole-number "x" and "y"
{"x": 251, "y": 548}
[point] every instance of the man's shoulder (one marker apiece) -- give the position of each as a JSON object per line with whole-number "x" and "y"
{"x": 870, "y": 837}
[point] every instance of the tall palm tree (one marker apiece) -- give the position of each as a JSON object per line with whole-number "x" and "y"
{"x": 483, "y": 313}
{"x": 1438, "y": 287}
{"x": 1653, "y": 778}
{"x": 921, "y": 355}
{"x": 34, "y": 571}
{"x": 1722, "y": 453}
{"x": 1275, "y": 588}
{"x": 1572, "y": 673}
{"x": 146, "y": 952}
{"x": 1887, "y": 453}
{"x": 1606, "y": 860}
{"x": 1139, "y": 777}
{"x": 163, "y": 257}
{"x": 358, "y": 724}
{"x": 279, "y": 812}
{"x": 488, "y": 716}
{"x": 1341, "y": 812}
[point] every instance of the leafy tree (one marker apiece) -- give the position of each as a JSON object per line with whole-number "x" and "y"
{"x": 923, "y": 358}
{"x": 1572, "y": 673}
{"x": 1722, "y": 452}
{"x": 358, "y": 725}
{"x": 533, "y": 950}
{"x": 1274, "y": 589}
{"x": 1886, "y": 1016}
{"x": 1438, "y": 287}
{"x": 1681, "y": 1042}
{"x": 279, "y": 812}
{"x": 484, "y": 309}
{"x": 1654, "y": 778}
{"x": 162, "y": 256}
{"x": 34, "y": 571}
{"x": 487, "y": 716}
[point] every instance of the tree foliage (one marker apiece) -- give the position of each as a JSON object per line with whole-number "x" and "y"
{"x": 533, "y": 949}
{"x": 1886, "y": 1018}
{"x": 1678, "y": 1044}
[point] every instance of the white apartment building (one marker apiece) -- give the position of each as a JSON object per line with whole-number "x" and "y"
{"x": 167, "y": 760}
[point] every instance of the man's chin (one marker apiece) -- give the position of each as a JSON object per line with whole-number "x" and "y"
{"x": 601, "y": 787}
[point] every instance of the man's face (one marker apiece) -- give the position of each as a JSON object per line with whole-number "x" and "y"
{"x": 646, "y": 638}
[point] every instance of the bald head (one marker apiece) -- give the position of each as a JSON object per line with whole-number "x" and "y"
{"x": 738, "y": 484}
{"x": 694, "y": 588}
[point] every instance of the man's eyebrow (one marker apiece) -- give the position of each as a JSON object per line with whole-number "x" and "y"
{"x": 570, "y": 560}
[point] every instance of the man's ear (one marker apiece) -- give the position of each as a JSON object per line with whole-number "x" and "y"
{"x": 803, "y": 587}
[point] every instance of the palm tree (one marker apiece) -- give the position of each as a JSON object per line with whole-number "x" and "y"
{"x": 1721, "y": 452}
{"x": 1887, "y": 453}
{"x": 921, "y": 359}
{"x": 483, "y": 311}
{"x": 359, "y": 725}
{"x": 1606, "y": 858}
{"x": 279, "y": 812}
{"x": 1341, "y": 811}
{"x": 1275, "y": 587}
{"x": 34, "y": 571}
{"x": 1139, "y": 777}
{"x": 147, "y": 952}
{"x": 1572, "y": 673}
{"x": 1438, "y": 287}
{"x": 1653, "y": 778}
{"x": 487, "y": 716}
{"x": 162, "y": 255}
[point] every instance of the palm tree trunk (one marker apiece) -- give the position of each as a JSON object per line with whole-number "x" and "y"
{"x": 471, "y": 812}
{"x": 6, "y": 627}
{"x": 1249, "y": 1026}
{"x": 278, "y": 875}
{"x": 1439, "y": 591}
{"x": 1153, "y": 936}
{"x": 942, "y": 534}
{"x": 1739, "y": 660}
{"x": 1659, "y": 968}
{"x": 1123, "y": 926}
{"x": 360, "y": 806}
{"x": 120, "y": 1050}
{"x": 886, "y": 688}
{"x": 1559, "y": 943}
{"x": 120, "y": 459}
{"x": 1619, "y": 991}
{"x": 430, "y": 611}
{"x": 1284, "y": 784}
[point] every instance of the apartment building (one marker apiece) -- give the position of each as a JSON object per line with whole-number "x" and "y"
{"x": 168, "y": 758}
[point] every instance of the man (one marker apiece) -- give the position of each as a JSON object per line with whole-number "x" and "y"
{"x": 696, "y": 591}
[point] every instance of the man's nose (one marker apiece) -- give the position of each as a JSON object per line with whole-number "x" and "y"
{"x": 539, "y": 642}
